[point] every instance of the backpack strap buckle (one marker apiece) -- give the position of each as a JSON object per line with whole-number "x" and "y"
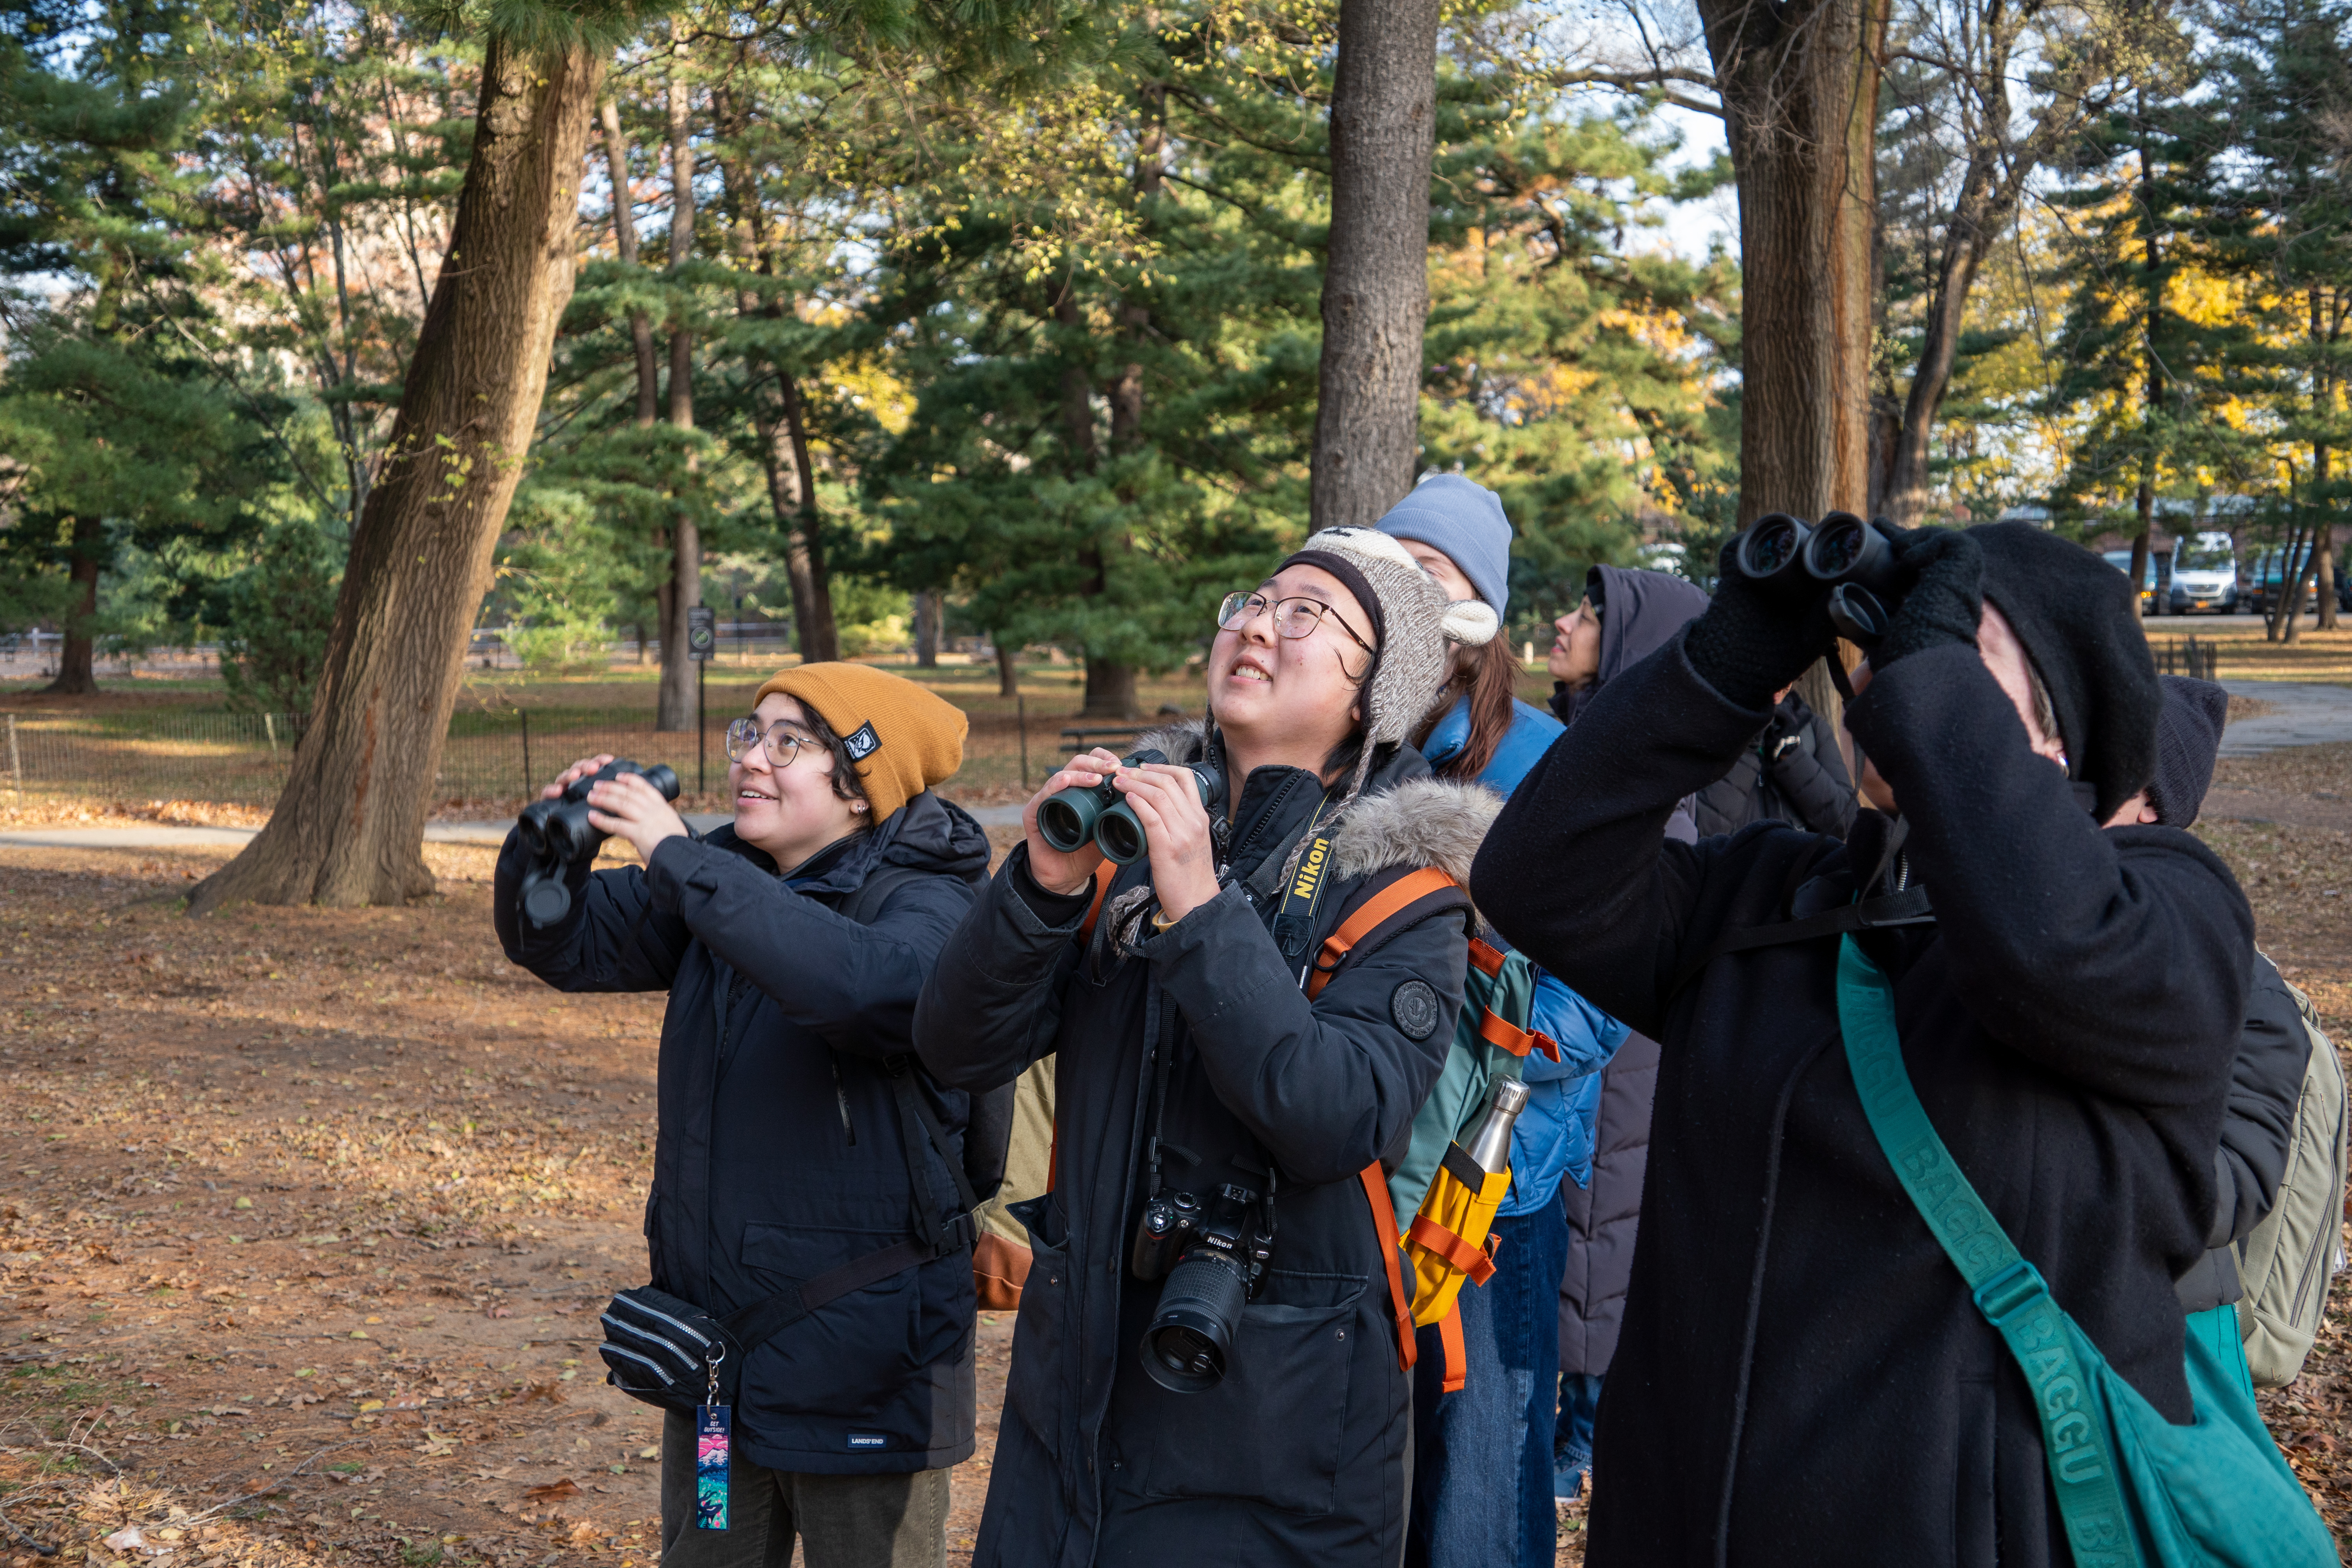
{"x": 2009, "y": 1289}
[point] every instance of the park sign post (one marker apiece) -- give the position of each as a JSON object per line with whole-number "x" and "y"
{"x": 701, "y": 642}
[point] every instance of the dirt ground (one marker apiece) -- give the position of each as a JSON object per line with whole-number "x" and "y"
{"x": 308, "y": 1216}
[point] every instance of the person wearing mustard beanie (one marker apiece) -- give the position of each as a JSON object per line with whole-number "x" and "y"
{"x": 803, "y": 1158}
{"x": 900, "y": 738}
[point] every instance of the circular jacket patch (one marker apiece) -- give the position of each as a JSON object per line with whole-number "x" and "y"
{"x": 1414, "y": 1005}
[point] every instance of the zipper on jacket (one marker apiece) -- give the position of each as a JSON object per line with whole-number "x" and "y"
{"x": 841, "y": 1098}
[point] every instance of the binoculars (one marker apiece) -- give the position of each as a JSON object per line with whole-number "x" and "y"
{"x": 557, "y": 833}
{"x": 1852, "y": 560}
{"x": 1068, "y": 818}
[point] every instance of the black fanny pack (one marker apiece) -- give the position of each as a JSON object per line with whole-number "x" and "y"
{"x": 665, "y": 1350}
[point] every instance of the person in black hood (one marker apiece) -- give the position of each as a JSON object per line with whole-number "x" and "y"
{"x": 793, "y": 944}
{"x": 1625, "y": 616}
{"x": 1802, "y": 1376}
{"x": 2273, "y": 1049}
{"x": 1194, "y": 1054}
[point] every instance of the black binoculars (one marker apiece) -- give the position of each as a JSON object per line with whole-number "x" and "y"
{"x": 1068, "y": 818}
{"x": 557, "y": 834}
{"x": 1852, "y": 560}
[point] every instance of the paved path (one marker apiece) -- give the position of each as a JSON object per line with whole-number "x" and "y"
{"x": 489, "y": 835}
{"x": 2302, "y": 716}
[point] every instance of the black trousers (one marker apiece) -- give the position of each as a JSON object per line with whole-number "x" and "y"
{"x": 842, "y": 1522}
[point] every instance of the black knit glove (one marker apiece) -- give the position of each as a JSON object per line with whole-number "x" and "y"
{"x": 1750, "y": 643}
{"x": 1941, "y": 571}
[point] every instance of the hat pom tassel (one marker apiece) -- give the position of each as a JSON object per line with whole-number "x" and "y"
{"x": 1471, "y": 622}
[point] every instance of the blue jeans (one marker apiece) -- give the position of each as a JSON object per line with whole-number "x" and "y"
{"x": 1572, "y": 1446}
{"x": 1482, "y": 1456}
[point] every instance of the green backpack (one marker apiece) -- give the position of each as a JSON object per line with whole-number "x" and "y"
{"x": 1491, "y": 1041}
{"x": 2286, "y": 1262}
{"x": 2134, "y": 1489}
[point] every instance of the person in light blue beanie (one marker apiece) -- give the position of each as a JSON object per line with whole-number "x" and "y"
{"x": 1483, "y": 1476}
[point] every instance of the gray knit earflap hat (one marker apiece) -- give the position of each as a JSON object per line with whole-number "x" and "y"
{"x": 1412, "y": 625}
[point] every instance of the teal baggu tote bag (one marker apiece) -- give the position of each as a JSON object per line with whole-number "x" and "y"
{"x": 2134, "y": 1489}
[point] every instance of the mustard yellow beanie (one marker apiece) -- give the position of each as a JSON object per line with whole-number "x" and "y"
{"x": 903, "y": 739}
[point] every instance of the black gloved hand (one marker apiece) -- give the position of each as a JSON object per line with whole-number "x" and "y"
{"x": 1750, "y": 643}
{"x": 1942, "y": 576}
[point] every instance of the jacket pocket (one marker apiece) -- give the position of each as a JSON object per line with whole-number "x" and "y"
{"x": 850, "y": 1356}
{"x": 1033, "y": 1391}
{"x": 1273, "y": 1430}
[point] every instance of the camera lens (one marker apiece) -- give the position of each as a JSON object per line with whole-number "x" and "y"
{"x": 1120, "y": 835}
{"x": 1190, "y": 1339}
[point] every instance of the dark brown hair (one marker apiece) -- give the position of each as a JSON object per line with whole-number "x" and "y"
{"x": 1490, "y": 679}
{"x": 847, "y": 784}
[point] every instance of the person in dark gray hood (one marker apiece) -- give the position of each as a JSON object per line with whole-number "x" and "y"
{"x": 1625, "y": 616}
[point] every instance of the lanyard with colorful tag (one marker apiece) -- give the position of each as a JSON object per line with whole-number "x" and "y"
{"x": 713, "y": 1434}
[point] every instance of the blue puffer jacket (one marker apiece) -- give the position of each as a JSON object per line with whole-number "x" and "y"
{"x": 1554, "y": 1134}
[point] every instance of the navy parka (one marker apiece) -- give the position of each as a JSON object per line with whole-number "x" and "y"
{"x": 778, "y": 1152}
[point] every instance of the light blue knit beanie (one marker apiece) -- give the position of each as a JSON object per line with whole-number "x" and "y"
{"x": 1463, "y": 518}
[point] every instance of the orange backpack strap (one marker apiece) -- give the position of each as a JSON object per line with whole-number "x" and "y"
{"x": 1398, "y": 896}
{"x": 1486, "y": 957}
{"x": 1501, "y": 1032}
{"x": 1441, "y": 1243}
{"x": 1457, "y": 1360}
{"x": 1104, "y": 874}
{"x": 1376, "y": 1189}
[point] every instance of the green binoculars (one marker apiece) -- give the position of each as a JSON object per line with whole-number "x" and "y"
{"x": 1070, "y": 818}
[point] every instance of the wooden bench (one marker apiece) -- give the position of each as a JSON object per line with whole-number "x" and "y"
{"x": 1115, "y": 736}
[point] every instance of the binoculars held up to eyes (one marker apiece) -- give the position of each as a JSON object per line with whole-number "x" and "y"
{"x": 1068, "y": 818}
{"x": 557, "y": 834}
{"x": 1850, "y": 559}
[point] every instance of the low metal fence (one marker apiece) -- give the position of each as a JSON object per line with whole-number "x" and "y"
{"x": 2196, "y": 658}
{"x": 243, "y": 758}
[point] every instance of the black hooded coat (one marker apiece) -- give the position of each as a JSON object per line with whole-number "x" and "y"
{"x": 1803, "y": 1378}
{"x": 779, "y": 1150}
{"x": 1298, "y": 1456}
{"x": 1640, "y": 612}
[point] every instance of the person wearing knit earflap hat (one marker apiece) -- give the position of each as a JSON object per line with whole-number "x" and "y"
{"x": 1207, "y": 1043}
{"x": 1803, "y": 1375}
{"x": 798, "y": 1148}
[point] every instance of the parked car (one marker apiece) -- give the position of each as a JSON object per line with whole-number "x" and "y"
{"x": 2263, "y": 586}
{"x": 2204, "y": 574}
{"x": 2121, "y": 561}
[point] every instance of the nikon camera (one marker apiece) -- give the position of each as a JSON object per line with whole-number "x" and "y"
{"x": 1213, "y": 1256}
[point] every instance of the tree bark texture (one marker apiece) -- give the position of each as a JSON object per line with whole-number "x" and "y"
{"x": 674, "y": 706}
{"x": 1376, "y": 273}
{"x": 624, "y": 242}
{"x": 1799, "y": 89}
{"x": 349, "y": 828}
{"x": 1008, "y": 671}
{"x": 77, "y": 651}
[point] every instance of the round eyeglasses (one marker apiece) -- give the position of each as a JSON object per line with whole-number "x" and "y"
{"x": 783, "y": 741}
{"x": 1293, "y": 619}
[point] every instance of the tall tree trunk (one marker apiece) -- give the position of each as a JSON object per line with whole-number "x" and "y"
{"x": 349, "y": 828}
{"x": 77, "y": 653}
{"x": 2144, "y": 540}
{"x": 1376, "y": 273}
{"x": 2325, "y": 576}
{"x": 1008, "y": 673}
{"x": 929, "y": 610}
{"x": 1978, "y": 218}
{"x": 2277, "y": 620}
{"x": 1799, "y": 89}
{"x": 804, "y": 553}
{"x": 1110, "y": 685}
{"x": 674, "y": 708}
{"x": 625, "y": 241}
